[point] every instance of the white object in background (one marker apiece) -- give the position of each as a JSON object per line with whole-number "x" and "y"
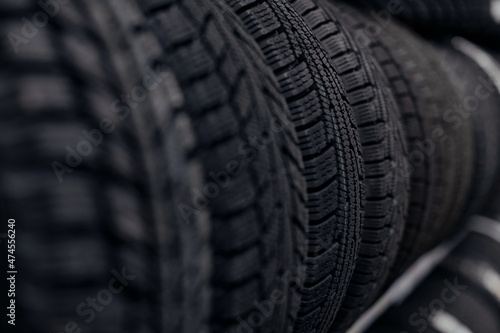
{"x": 495, "y": 10}
{"x": 480, "y": 56}
{"x": 486, "y": 226}
{"x": 446, "y": 323}
{"x": 482, "y": 274}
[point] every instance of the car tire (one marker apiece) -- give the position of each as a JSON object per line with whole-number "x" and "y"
{"x": 440, "y": 143}
{"x": 330, "y": 150}
{"x": 384, "y": 153}
{"x": 143, "y": 204}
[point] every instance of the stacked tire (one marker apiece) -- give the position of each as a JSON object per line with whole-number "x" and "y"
{"x": 234, "y": 166}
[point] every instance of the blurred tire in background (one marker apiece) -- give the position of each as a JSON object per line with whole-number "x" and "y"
{"x": 477, "y": 19}
{"x": 480, "y": 102}
{"x": 143, "y": 203}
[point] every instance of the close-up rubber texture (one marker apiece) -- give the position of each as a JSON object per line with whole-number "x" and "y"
{"x": 474, "y": 18}
{"x": 481, "y": 101}
{"x": 191, "y": 201}
{"x": 383, "y": 145}
{"x": 440, "y": 142}
{"x": 330, "y": 149}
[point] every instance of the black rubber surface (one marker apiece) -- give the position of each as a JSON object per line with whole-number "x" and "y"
{"x": 330, "y": 149}
{"x": 474, "y": 18}
{"x": 481, "y": 102}
{"x": 195, "y": 262}
{"x": 383, "y": 144}
{"x": 440, "y": 142}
